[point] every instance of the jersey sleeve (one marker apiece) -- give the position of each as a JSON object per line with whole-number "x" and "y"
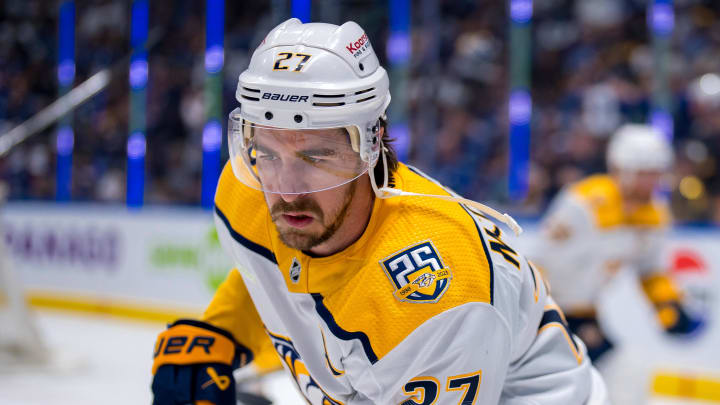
{"x": 232, "y": 309}
{"x": 548, "y": 363}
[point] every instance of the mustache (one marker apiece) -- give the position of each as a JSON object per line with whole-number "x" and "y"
{"x": 301, "y": 204}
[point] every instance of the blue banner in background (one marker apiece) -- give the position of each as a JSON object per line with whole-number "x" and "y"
{"x": 212, "y": 132}
{"x": 301, "y": 10}
{"x": 398, "y": 51}
{"x": 66, "y": 44}
{"x": 137, "y": 77}
{"x": 520, "y": 100}
{"x": 64, "y": 141}
{"x": 211, "y": 144}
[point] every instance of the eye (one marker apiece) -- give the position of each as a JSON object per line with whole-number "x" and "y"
{"x": 317, "y": 156}
{"x": 266, "y": 157}
{"x": 311, "y": 159}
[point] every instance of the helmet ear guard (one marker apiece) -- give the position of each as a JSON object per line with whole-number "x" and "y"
{"x": 367, "y": 146}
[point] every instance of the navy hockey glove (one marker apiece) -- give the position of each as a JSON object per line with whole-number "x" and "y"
{"x": 193, "y": 364}
{"x": 677, "y": 321}
{"x": 667, "y": 299}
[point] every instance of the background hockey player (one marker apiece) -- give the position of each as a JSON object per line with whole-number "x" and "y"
{"x": 606, "y": 222}
{"x": 374, "y": 284}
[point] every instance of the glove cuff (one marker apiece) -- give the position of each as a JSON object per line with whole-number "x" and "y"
{"x": 189, "y": 341}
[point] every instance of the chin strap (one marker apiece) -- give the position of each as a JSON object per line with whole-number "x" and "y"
{"x": 385, "y": 192}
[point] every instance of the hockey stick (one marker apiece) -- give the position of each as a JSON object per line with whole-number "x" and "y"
{"x": 74, "y": 98}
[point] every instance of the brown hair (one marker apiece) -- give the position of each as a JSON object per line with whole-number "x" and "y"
{"x": 390, "y": 156}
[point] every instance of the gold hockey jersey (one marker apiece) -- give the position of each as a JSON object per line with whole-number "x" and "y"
{"x": 430, "y": 305}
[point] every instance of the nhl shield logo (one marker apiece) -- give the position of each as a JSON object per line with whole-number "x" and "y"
{"x": 418, "y": 273}
{"x": 295, "y": 270}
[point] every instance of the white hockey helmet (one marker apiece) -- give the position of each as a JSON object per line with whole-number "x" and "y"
{"x": 310, "y": 107}
{"x": 636, "y": 147}
{"x": 318, "y": 91}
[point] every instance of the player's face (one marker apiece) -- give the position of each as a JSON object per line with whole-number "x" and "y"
{"x": 289, "y": 161}
{"x": 641, "y": 185}
{"x": 305, "y": 221}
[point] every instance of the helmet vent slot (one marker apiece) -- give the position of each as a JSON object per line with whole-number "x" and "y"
{"x": 328, "y": 104}
{"x": 357, "y": 93}
{"x": 250, "y": 98}
{"x": 253, "y": 90}
{"x": 328, "y": 95}
{"x": 366, "y": 99}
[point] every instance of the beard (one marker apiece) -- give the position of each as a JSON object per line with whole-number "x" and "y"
{"x": 305, "y": 240}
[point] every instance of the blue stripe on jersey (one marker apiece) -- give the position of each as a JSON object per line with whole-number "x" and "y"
{"x": 482, "y": 240}
{"x": 257, "y": 248}
{"x": 553, "y": 316}
{"x": 340, "y": 332}
{"x": 487, "y": 255}
{"x": 532, "y": 273}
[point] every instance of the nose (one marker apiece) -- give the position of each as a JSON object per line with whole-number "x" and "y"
{"x": 287, "y": 187}
{"x": 290, "y": 197}
{"x": 290, "y": 181}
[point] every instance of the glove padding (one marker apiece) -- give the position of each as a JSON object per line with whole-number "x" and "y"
{"x": 667, "y": 300}
{"x": 194, "y": 362}
{"x": 676, "y": 321}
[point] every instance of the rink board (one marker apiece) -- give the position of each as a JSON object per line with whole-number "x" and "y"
{"x": 163, "y": 263}
{"x": 151, "y": 263}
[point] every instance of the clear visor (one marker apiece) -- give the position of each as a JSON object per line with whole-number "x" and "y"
{"x": 293, "y": 161}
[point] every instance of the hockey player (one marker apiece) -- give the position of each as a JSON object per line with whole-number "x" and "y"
{"x": 374, "y": 284}
{"x": 605, "y": 222}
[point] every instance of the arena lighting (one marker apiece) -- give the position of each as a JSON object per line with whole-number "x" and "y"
{"x": 521, "y": 11}
{"x": 519, "y": 100}
{"x": 65, "y": 138}
{"x": 137, "y": 77}
{"x": 398, "y": 50}
{"x": 301, "y": 10}
{"x": 710, "y": 84}
{"x": 661, "y": 22}
{"x": 212, "y": 132}
{"x": 661, "y": 17}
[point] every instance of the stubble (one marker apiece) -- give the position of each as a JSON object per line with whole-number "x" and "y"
{"x": 305, "y": 240}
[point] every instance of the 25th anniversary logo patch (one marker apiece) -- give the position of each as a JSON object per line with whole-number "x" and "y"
{"x": 418, "y": 273}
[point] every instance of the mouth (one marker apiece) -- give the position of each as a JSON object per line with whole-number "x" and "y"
{"x": 297, "y": 220}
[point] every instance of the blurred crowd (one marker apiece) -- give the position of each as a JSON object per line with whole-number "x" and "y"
{"x": 592, "y": 70}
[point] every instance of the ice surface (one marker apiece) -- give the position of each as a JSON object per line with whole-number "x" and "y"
{"x": 99, "y": 360}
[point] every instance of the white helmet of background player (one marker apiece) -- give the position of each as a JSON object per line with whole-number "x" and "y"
{"x": 639, "y": 148}
{"x": 318, "y": 89}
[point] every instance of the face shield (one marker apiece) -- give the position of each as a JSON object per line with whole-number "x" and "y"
{"x": 293, "y": 161}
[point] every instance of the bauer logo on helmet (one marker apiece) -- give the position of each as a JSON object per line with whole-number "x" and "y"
{"x": 292, "y": 98}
